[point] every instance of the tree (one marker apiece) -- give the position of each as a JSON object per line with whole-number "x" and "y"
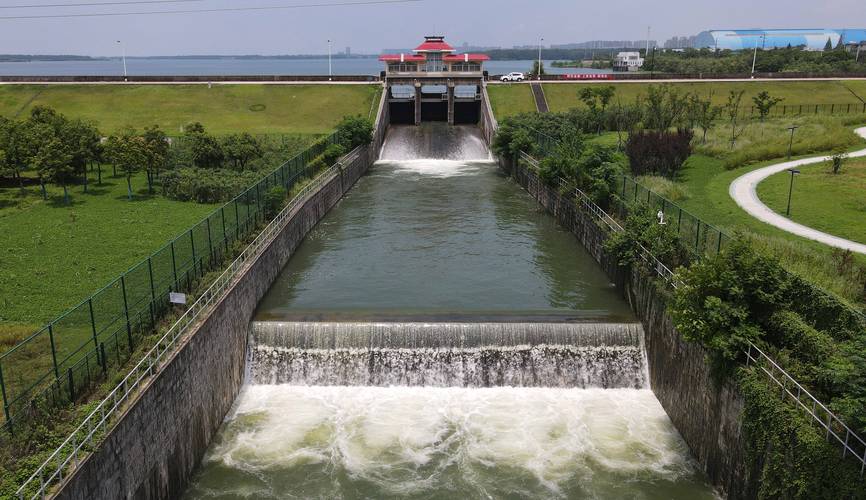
{"x": 764, "y": 103}
{"x": 702, "y": 113}
{"x": 535, "y": 69}
{"x": 53, "y": 160}
{"x": 597, "y": 99}
{"x": 239, "y": 149}
{"x": 732, "y": 109}
{"x": 663, "y": 107}
{"x": 13, "y": 146}
{"x": 829, "y": 45}
{"x": 204, "y": 148}
{"x": 156, "y": 148}
{"x": 82, "y": 138}
{"x": 128, "y": 152}
{"x": 625, "y": 118}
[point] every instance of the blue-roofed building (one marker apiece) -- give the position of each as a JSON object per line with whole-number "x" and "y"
{"x": 812, "y": 39}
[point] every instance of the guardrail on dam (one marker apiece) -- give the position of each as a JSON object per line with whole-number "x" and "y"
{"x": 160, "y": 437}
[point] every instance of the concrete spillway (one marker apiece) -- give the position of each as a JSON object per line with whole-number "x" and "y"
{"x": 448, "y": 355}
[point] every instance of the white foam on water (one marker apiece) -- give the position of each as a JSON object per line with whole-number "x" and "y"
{"x": 418, "y": 441}
{"x": 436, "y": 168}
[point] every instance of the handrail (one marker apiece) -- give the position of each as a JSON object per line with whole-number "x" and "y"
{"x": 85, "y": 435}
{"x": 829, "y": 421}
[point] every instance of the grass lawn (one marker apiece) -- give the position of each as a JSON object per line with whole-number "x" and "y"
{"x": 223, "y": 109}
{"x": 54, "y": 255}
{"x": 835, "y": 204}
{"x": 563, "y": 96}
{"x": 510, "y": 99}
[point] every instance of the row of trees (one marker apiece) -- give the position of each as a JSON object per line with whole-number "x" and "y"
{"x": 790, "y": 59}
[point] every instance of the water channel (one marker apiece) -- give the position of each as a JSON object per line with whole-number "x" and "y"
{"x": 366, "y": 382}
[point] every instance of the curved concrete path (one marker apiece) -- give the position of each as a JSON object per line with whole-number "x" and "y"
{"x": 744, "y": 191}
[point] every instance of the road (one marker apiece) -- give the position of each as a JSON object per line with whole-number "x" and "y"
{"x": 744, "y": 192}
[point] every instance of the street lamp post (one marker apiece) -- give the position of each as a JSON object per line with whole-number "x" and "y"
{"x": 755, "y": 55}
{"x": 123, "y": 56}
{"x": 330, "y": 70}
{"x": 792, "y": 128}
{"x": 540, "y": 43}
{"x": 790, "y": 190}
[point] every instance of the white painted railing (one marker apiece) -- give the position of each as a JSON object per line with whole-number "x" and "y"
{"x": 87, "y": 436}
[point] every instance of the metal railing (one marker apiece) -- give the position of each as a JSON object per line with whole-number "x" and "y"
{"x": 97, "y": 423}
{"x": 851, "y": 443}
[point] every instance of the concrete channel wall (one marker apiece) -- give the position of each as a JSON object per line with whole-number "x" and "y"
{"x": 159, "y": 441}
{"x": 705, "y": 414}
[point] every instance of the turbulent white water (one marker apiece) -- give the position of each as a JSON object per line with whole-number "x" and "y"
{"x": 339, "y": 442}
{"x": 434, "y": 142}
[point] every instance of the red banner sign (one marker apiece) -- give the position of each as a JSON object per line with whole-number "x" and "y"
{"x": 587, "y": 76}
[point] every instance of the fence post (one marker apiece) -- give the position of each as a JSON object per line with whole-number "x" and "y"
{"x": 53, "y": 352}
{"x": 150, "y": 273}
{"x": 623, "y": 186}
{"x": 698, "y": 237}
{"x": 102, "y": 357}
{"x": 192, "y": 245}
{"x": 237, "y": 221}
{"x": 5, "y": 400}
{"x": 126, "y": 311}
{"x": 225, "y": 238}
{"x": 71, "y": 384}
{"x": 719, "y": 246}
{"x": 93, "y": 322}
{"x": 173, "y": 265}
{"x": 679, "y": 220}
{"x": 209, "y": 242}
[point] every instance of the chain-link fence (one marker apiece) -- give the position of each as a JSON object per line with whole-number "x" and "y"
{"x": 59, "y": 362}
{"x": 781, "y": 110}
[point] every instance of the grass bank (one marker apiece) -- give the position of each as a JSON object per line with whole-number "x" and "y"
{"x": 833, "y": 203}
{"x": 224, "y": 109}
{"x": 563, "y": 96}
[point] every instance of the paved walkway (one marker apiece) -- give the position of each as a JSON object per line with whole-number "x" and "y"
{"x": 743, "y": 191}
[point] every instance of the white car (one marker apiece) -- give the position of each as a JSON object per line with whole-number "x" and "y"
{"x": 514, "y": 76}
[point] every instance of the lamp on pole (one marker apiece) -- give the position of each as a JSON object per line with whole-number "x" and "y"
{"x": 755, "y": 55}
{"x": 792, "y": 128}
{"x": 540, "y": 43}
{"x": 790, "y": 190}
{"x": 330, "y": 71}
{"x": 123, "y": 56}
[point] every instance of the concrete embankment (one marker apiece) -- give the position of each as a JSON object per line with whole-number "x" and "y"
{"x": 160, "y": 439}
{"x": 706, "y": 415}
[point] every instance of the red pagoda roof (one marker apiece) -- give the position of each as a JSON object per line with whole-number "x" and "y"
{"x": 432, "y": 44}
{"x": 466, "y": 58}
{"x": 402, "y": 58}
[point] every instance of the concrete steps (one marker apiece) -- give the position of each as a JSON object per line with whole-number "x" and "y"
{"x": 540, "y": 100}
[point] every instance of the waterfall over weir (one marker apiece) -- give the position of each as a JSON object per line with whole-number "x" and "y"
{"x": 567, "y": 355}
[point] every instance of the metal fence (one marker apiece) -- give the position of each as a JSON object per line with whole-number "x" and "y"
{"x": 781, "y": 110}
{"x": 63, "y": 359}
{"x": 88, "y": 434}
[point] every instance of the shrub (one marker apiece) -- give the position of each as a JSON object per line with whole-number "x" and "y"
{"x": 274, "y": 199}
{"x": 333, "y": 153}
{"x": 663, "y": 152}
{"x": 354, "y": 131}
{"x": 205, "y": 185}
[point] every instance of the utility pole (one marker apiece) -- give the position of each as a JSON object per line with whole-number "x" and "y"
{"x": 330, "y": 70}
{"x": 540, "y": 43}
{"x": 755, "y": 56}
{"x": 646, "y": 54}
{"x": 123, "y": 54}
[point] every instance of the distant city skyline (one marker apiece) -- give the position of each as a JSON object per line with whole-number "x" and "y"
{"x": 368, "y": 29}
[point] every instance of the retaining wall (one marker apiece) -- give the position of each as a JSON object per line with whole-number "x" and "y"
{"x": 159, "y": 441}
{"x": 705, "y": 414}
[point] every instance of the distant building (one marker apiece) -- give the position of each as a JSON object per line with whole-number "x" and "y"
{"x": 810, "y": 39}
{"x": 348, "y": 51}
{"x": 627, "y": 61}
{"x": 607, "y": 44}
{"x": 680, "y": 42}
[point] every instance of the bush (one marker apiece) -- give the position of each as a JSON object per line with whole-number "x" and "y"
{"x": 652, "y": 152}
{"x": 205, "y": 185}
{"x": 354, "y": 131}
{"x": 333, "y": 153}
{"x": 274, "y": 200}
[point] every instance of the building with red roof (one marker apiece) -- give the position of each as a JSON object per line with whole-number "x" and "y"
{"x": 435, "y": 55}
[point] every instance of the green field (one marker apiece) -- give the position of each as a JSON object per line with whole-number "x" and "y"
{"x": 52, "y": 255}
{"x": 563, "y": 96}
{"x": 510, "y": 99}
{"x": 835, "y": 204}
{"x": 223, "y": 109}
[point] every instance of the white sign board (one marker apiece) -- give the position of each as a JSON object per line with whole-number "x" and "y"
{"x": 177, "y": 298}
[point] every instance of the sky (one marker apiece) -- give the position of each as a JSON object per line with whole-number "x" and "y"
{"x": 370, "y": 28}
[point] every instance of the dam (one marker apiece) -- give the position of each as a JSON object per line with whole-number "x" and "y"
{"x": 438, "y": 335}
